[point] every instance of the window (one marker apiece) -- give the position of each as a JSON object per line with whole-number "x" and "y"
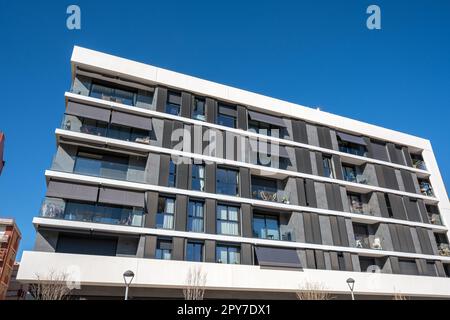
{"x": 163, "y": 249}
{"x": 89, "y": 126}
{"x": 112, "y": 94}
{"x": 227, "y": 182}
{"x": 328, "y": 168}
{"x": 355, "y": 203}
{"x": 349, "y": 173}
{"x": 173, "y": 104}
{"x": 227, "y": 116}
{"x": 198, "y": 110}
{"x": 408, "y": 266}
{"x": 195, "y": 216}
{"x": 267, "y": 129}
{"x": 198, "y": 177}
{"x": 352, "y": 148}
{"x": 341, "y": 261}
{"x": 172, "y": 174}
{"x": 228, "y": 254}
{"x": 266, "y": 227}
{"x": 227, "y": 220}
{"x": 102, "y": 165}
{"x": 361, "y": 232}
{"x": 194, "y": 251}
{"x": 129, "y": 134}
{"x": 431, "y": 269}
{"x": 165, "y": 214}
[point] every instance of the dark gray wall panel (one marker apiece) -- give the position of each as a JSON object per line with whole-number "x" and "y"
{"x": 408, "y": 181}
{"x": 178, "y": 248}
{"x": 299, "y": 131}
{"x": 324, "y": 137}
{"x": 397, "y": 206}
{"x": 337, "y": 166}
{"x": 301, "y": 192}
{"x": 342, "y": 231}
{"x": 121, "y": 197}
{"x": 211, "y": 110}
{"x": 181, "y": 213}
{"x": 335, "y": 231}
{"x": 210, "y": 177}
{"x": 246, "y": 254}
{"x": 186, "y": 101}
{"x": 379, "y": 151}
{"x": 310, "y": 259}
{"x": 423, "y": 211}
{"x": 242, "y": 118}
{"x": 161, "y": 99}
{"x": 167, "y": 134}
{"x": 317, "y": 237}
{"x": 320, "y": 259}
{"x": 247, "y": 219}
{"x": 382, "y": 203}
{"x": 87, "y": 111}
{"x": 395, "y": 265}
{"x": 394, "y": 237}
{"x": 319, "y": 163}
{"x": 334, "y": 260}
{"x": 210, "y": 251}
{"x": 348, "y": 261}
{"x": 182, "y": 180}
{"x": 424, "y": 240}
{"x": 412, "y": 209}
{"x": 380, "y": 175}
{"x": 210, "y": 219}
{"x": 131, "y": 120}
{"x": 310, "y": 193}
{"x": 407, "y": 156}
{"x": 307, "y": 224}
{"x": 339, "y": 205}
{"x": 151, "y": 209}
{"x": 164, "y": 170}
{"x": 244, "y": 182}
{"x": 390, "y": 178}
{"x": 303, "y": 160}
{"x": 177, "y": 125}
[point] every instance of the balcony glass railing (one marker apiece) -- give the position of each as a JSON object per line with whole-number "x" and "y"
{"x": 283, "y": 233}
{"x": 353, "y": 149}
{"x": 435, "y": 218}
{"x": 99, "y": 168}
{"x": 364, "y": 242}
{"x": 271, "y": 195}
{"x": 90, "y": 212}
{"x": 426, "y": 190}
{"x": 98, "y": 128}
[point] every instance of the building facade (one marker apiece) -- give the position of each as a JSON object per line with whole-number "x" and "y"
{"x": 162, "y": 173}
{"x": 9, "y": 243}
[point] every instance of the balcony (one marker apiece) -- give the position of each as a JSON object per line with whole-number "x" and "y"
{"x": 88, "y": 212}
{"x": 283, "y": 233}
{"x": 365, "y": 242}
{"x": 435, "y": 218}
{"x": 426, "y": 189}
{"x": 103, "y": 129}
{"x": 272, "y": 196}
{"x": 103, "y": 166}
{"x": 419, "y": 164}
{"x": 4, "y": 238}
{"x": 444, "y": 249}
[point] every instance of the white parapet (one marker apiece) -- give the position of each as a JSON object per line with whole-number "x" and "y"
{"x": 151, "y": 273}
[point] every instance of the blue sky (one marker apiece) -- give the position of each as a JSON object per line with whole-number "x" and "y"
{"x": 315, "y": 53}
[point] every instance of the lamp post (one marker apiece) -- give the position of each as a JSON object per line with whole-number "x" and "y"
{"x": 127, "y": 278}
{"x": 351, "y": 285}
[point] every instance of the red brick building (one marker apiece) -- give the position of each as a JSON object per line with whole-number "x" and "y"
{"x": 9, "y": 243}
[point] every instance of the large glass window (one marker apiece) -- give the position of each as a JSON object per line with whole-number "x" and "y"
{"x": 267, "y": 129}
{"x": 91, "y": 126}
{"x": 227, "y": 116}
{"x": 349, "y": 173}
{"x": 112, "y": 94}
{"x": 352, "y": 148}
{"x": 165, "y": 214}
{"x": 173, "y": 104}
{"x": 172, "y": 174}
{"x": 194, "y": 251}
{"x": 103, "y": 165}
{"x": 228, "y": 220}
{"x": 266, "y": 227}
{"x": 198, "y": 109}
{"x": 198, "y": 177}
{"x": 264, "y": 189}
{"x": 129, "y": 134}
{"x": 163, "y": 249}
{"x": 195, "y": 216}
{"x": 227, "y": 182}
{"x": 328, "y": 168}
{"x": 228, "y": 254}
{"x": 91, "y": 212}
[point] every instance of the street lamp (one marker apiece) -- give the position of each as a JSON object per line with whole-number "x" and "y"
{"x": 351, "y": 285}
{"x": 127, "y": 277}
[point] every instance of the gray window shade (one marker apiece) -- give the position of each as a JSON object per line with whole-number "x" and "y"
{"x": 87, "y": 111}
{"x": 424, "y": 239}
{"x": 174, "y": 98}
{"x": 398, "y": 209}
{"x": 408, "y": 181}
{"x": 351, "y": 138}
{"x": 412, "y": 209}
{"x": 390, "y": 178}
{"x": 277, "y": 257}
{"x": 67, "y": 190}
{"x": 282, "y": 152}
{"x": 227, "y": 110}
{"x": 408, "y": 266}
{"x": 121, "y": 197}
{"x": 379, "y": 151}
{"x": 131, "y": 120}
{"x": 266, "y": 118}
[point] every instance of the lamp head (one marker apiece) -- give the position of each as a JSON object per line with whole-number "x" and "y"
{"x": 128, "y": 277}
{"x": 351, "y": 283}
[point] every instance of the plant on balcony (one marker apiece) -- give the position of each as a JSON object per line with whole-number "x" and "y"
{"x": 54, "y": 286}
{"x": 313, "y": 291}
{"x": 195, "y": 284}
{"x": 285, "y": 199}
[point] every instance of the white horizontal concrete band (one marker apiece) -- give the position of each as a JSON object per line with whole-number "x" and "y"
{"x": 81, "y": 225}
{"x": 151, "y": 273}
{"x": 145, "y": 112}
{"x": 219, "y": 197}
{"x": 148, "y": 148}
